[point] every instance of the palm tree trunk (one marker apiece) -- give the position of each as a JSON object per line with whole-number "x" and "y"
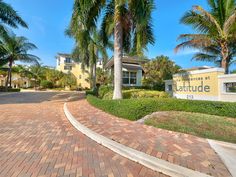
{"x": 94, "y": 76}
{"x": 7, "y": 80}
{"x": 225, "y": 57}
{"x": 10, "y": 73}
{"x": 9, "y": 77}
{"x": 118, "y": 47}
{"x": 91, "y": 76}
{"x": 225, "y": 65}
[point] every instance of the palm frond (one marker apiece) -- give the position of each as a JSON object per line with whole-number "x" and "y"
{"x": 230, "y": 23}
{"x": 9, "y": 16}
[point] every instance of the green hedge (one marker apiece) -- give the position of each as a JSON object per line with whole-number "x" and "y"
{"x": 134, "y": 109}
{"x": 137, "y": 93}
{"x": 3, "y": 89}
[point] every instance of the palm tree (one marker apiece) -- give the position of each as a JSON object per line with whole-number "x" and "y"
{"x": 88, "y": 43}
{"x": 124, "y": 19}
{"x": 128, "y": 21}
{"x": 9, "y": 17}
{"x": 16, "y": 49}
{"x": 216, "y": 35}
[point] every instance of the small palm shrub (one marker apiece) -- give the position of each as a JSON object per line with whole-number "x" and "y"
{"x": 103, "y": 90}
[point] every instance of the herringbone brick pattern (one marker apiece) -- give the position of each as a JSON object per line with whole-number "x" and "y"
{"x": 178, "y": 148}
{"x": 37, "y": 140}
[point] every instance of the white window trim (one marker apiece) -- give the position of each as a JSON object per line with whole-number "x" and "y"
{"x": 129, "y": 77}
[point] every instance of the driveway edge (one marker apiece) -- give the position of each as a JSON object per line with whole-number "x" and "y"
{"x": 226, "y": 152}
{"x": 146, "y": 160}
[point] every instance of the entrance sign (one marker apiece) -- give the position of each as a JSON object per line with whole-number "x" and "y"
{"x": 198, "y": 84}
{"x": 203, "y": 84}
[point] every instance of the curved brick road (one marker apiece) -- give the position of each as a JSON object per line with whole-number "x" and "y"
{"x": 178, "y": 148}
{"x": 37, "y": 140}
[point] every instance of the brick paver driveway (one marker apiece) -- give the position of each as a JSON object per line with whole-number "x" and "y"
{"x": 37, "y": 140}
{"x": 178, "y": 148}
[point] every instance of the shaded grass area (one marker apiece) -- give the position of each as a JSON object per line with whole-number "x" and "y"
{"x": 134, "y": 109}
{"x": 203, "y": 125}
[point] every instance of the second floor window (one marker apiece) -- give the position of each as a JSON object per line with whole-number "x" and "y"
{"x": 68, "y": 60}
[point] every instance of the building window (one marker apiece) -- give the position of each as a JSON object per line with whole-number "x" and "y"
{"x": 68, "y": 68}
{"x": 169, "y": 88}
{"x": 68, "y": 60}
{"x": 230, "y": 87}
{"x": 129, "y": 78}
{"x": 125, "y": 77}
{"x": 133, "y": 78}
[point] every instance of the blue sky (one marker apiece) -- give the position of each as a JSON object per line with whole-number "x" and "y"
{"x": 47, "y": 21}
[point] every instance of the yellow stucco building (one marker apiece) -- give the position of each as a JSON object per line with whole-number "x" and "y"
{"x": 66, "y": 64}
{"x": 17, "y": 81}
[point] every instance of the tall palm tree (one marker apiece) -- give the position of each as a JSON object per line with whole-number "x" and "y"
{"x": 16, "y": 49}
{"x": 8, "y": 16}
{"x": 216, "y": 32}
{"x": 83, "y": 29}
{"x": 128, "y": 21}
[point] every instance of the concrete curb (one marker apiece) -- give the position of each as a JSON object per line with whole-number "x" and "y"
{"x": 227, "y": 153}
{"x": 146, "y": 160}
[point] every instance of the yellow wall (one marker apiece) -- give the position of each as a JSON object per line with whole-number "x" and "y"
{"x": 82, "y": 77}
{"x": 194, "y": 83}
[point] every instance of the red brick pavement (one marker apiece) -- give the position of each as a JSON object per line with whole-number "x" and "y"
{"x": 37, "y": 140}
{"x": 178, "y": 148}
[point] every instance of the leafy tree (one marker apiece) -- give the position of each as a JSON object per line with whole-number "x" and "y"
{"x": 37, "y": 73}
{"x": 53, "y": 75}
{"x": 157, "y": 71}
{"x": 16, "y": 49}
{"x": 46, "y": 84}
{"x": 216, "y": 32}
{"x": 68, "y": 80}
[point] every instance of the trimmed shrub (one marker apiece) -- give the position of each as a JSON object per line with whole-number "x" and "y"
{"x": 90, "y": 92}
{"x": 46, "y": 84}
{"x": 134, "y": 109}
{"x": 13, "y": 90}
{"x": 3, "y": 89}
{"x": 103, "y": 90}
{"x": 138, "y": 93}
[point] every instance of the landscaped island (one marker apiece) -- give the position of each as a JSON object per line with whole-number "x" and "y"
{"x": 209, "y": 119}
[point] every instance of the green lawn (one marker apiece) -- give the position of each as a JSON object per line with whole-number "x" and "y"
{"x": 203, "y": 125}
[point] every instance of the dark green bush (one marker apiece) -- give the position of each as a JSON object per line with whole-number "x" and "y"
{"x": 46, "y": 84}
{"x": 3, "y": 89}
{"x": 134, "y": 109}
{"x": 13, "y": 90}
{"x": 90, "y": 92}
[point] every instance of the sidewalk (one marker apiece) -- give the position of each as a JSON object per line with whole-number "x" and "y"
{"x": 178, "y": 148}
